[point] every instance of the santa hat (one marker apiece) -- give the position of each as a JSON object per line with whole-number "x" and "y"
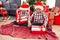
{"x": 39, "y": 5}
{"x": 24, "y": 6}
{"x": 0, "y": 3}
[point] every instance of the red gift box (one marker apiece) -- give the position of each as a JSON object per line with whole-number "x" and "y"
{"x": 38, "y": 30}
{"x": 57, "y": 19}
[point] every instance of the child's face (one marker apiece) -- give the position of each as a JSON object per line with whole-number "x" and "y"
{"x": 38, "y": 10}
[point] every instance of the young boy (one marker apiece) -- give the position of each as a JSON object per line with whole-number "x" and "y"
{"x": 39, "y": 17}
{"x": 23, "y": 13}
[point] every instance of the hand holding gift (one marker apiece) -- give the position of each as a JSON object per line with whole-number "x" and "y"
{"x": 29, "y": 24}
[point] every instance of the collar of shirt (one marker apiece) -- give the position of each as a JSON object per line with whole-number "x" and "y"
{"x": 38, "y": 13}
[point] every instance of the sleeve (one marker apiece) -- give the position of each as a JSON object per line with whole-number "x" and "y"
{"x": 45, "y": 18}
{"x": 30, "y": 17}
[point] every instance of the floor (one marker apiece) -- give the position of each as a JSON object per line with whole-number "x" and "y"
{"x": 56, "y": 29}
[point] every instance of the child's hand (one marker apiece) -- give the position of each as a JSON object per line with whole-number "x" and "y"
{"x": 45, "y": 25}
{"x": 26, "y": 16}
{"x": 29, "y": 25}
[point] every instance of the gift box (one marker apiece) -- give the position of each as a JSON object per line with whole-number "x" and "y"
{"x": 57, "y": 20}
{"x": 22, "y": 20}
{"x": 38, "y": 30}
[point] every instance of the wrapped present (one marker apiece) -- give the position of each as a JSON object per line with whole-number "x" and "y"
{"x": 38, "y": 29}
{"x": 57, "y": 20}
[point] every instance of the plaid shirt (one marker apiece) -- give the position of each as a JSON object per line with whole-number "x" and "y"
{"x": 39, "y": 17}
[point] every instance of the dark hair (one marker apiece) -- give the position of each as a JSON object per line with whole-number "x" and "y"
{"x": 50, "y": 9}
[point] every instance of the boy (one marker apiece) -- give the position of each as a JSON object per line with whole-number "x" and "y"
{"x": 39, "y": 16}
{"x": 23, "y": 14}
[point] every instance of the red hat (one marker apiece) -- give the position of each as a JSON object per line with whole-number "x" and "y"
{"x": 24, "y": 6}
{"x": 0, "y": 3}
{"x": 39, "y": 5}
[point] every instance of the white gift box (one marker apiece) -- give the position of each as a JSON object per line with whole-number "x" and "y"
{"x": 36, "y": 28}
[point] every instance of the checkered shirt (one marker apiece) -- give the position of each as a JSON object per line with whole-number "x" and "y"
{"x": 39, "y": 17}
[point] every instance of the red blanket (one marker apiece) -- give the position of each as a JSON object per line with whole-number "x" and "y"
{"x": 24, "y": 32}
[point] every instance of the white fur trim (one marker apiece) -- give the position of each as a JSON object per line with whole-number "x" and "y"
{"x": 39, "y": 7}
{"x": 17, "y": 20}
{"x": 24, "y": 8}
{"x": 17, "y": 10}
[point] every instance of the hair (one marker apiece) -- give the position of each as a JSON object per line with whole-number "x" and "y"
{"x": 50, "y": 9}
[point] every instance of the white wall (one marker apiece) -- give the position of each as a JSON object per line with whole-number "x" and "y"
{"x": 51, "y": 3}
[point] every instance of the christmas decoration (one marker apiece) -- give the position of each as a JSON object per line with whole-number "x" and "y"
{"x": 38, "y": 28}
{"x": 3, "y": 12}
